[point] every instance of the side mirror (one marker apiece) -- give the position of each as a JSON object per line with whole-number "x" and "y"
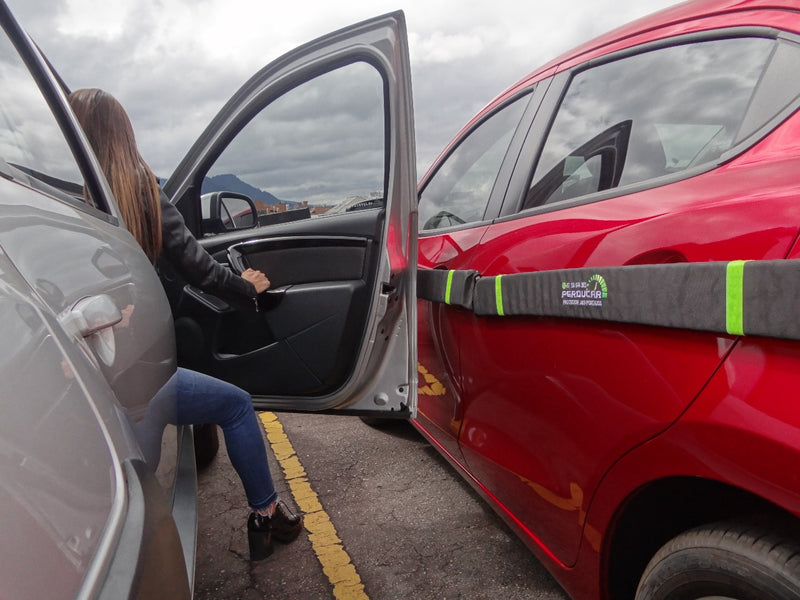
{"x": 227, "y": 211}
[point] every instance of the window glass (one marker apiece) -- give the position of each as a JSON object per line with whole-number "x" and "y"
{"x": 317, "y": 150}
{"x": 459, "y": 190}
{"x": 31, "y": 142}
{"x": 648, "y": 115}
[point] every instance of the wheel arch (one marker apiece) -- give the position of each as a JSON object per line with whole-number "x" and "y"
{"x": 663, "y": 509}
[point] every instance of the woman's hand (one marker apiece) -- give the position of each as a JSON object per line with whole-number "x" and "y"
{"x": 257, "y": 278}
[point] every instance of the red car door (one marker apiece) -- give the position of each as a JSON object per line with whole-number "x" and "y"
{"x": 458, "y": 199}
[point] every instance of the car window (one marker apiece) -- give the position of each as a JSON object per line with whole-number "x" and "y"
{"x": 459, "y": 191}
{"x": 33, "y": 149}
{"x": 319, "y": 149}
{"x": 648, "y": 115}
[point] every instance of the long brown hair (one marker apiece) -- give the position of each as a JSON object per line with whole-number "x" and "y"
{"x": 135, "y": 187}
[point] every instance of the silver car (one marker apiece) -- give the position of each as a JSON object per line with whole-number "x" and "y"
{"x": 90, "y": 334}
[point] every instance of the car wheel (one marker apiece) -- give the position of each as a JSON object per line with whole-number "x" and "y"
{"x": 378, "y": 422}
{"x": 206, "y": 444}
{"x": 732, "y": 560}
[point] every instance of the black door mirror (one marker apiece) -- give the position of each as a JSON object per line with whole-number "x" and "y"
{"x": 227, "y": 211}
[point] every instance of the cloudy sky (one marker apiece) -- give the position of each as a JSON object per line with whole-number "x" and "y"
{"x": 173, "y": 63}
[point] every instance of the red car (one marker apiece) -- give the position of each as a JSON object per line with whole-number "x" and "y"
{"x": 595, "y": 357}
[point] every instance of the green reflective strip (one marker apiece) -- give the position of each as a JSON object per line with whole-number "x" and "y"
{"x": 734, "y": 305}
{"x": 449, "y": 287}
{"x": 498, "y": 295}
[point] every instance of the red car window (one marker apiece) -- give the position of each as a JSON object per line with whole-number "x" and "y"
{"x": 683, "y": 105}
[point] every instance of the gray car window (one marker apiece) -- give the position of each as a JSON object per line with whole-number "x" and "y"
{"x": 648, "y": 115}
{"x": 319, "y": 149}
{"x": 32, "y": 147}
{"x": 459, "y": 191}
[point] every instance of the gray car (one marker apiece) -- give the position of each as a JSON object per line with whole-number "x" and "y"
{"x": 90, "y": 334}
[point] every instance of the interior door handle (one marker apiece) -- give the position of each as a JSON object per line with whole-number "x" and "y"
{"x": 91, "y": 314}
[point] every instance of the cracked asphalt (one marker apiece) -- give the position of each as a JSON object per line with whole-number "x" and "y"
{"x": 411, "y": 526}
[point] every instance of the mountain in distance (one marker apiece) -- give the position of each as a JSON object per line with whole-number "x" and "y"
{"x": 231, "y": 183}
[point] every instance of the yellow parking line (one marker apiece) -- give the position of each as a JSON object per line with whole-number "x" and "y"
{"x": 326, "y": 543}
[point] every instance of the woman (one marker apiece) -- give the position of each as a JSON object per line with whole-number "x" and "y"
{"x": 160, "y": 230}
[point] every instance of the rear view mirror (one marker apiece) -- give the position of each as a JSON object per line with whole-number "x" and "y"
{"x": 227, "y": 211}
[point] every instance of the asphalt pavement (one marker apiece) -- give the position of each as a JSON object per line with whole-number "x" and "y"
{"x": 387, "y": 518}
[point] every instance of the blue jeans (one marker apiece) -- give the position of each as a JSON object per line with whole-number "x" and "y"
{"x": 192, "y": 398}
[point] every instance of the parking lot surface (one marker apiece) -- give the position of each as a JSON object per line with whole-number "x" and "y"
{"x": 391, "y": 519}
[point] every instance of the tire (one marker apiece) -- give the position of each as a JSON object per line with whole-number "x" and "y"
{"x": 378, "y": 422}
{"x": 206, "y": 444}
{"x": 730, "y": 560}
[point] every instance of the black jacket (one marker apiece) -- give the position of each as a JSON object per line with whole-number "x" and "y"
{"x": 181, "y": 249}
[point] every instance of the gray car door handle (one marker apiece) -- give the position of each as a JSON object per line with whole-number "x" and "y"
{"x": 91, "y": 314}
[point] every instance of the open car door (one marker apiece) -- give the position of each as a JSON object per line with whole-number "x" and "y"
{"x": 327, "y": 129}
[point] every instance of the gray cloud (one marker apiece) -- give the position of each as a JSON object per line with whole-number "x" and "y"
{"x": 174, "y": 63}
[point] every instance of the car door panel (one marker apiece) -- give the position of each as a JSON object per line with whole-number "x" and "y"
{"x": 285, "y": 348}
{"x": 305, "y": 335}
{"x": 304, "y": 338}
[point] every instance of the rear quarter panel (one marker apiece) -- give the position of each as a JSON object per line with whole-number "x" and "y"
{"x": 743, "y": 431}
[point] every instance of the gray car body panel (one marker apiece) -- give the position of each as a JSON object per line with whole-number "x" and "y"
{"x": 62, "y": 493}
